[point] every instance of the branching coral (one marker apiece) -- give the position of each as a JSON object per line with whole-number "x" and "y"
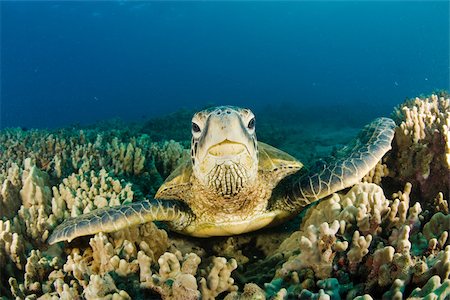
{"x": 176, "y": 277}
{"x": 84, "y": 192}
{"x": 103, "y": 287}
{"x": 438, "y": 228}
{"x": 126, "y": 158}
{"x": 38, "y": 214}
{"x": 328, "y": 289}
{"x": 377, "y": 173}
{"x": 318, "y": 247}
{"x": 365, "y": 209}
{"x": 359, "y": 249}
{"x": 12, "y": 245}
{"x": 27, "y": 227}
{"x": 251, "y": 291}
{"x": 168, "y": 156}
{"x": 175, "y": 280}
{"x": 118, "y": 252}
{"x": 440, "y": 204}
{"x": 9, "y": 194}
{"x": 36, "y": 202}
{"x": 433, "y": 289}
{"x": 218, "y": 279}
{"x": 69, "y": 151}
{"x": 37, "y": 270}
{"x": 433, "y": 264}
{"x": 421, "y": 148}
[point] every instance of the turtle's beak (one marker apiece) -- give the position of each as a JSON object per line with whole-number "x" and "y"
{"x": 227, "y": 149}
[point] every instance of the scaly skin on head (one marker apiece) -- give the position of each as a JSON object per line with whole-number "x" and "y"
{"x": 229, "y": 179}
{"x": 224, "y": 156}
{"x": 224, "y": 150}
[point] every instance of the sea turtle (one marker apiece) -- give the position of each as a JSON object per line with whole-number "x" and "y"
{"x": 232, "y": 184}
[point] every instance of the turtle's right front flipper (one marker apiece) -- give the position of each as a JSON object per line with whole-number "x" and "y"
{"x": 110, "y": 219}
{"x": 345, "y": 169}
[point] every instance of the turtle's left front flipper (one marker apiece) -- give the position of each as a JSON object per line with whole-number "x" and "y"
{"x": 347, "y": 168}
{"x": 110, "y": 219}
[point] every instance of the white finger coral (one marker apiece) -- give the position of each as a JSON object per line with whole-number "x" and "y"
{"x": 168, "y": 155}
{"x": 105, "y": 258}
{"x": 126, "y": 158}
{"x": 434, "y": 264}
{"x": 318, "y": 246}
{"x": 433, "y": 289}
{"x": 102, "y": 287}
{"x": 10, "y": 201}
{"x": 83, "y": 192}
{"x": 12, "y": 247}
{"x": 117, "y": 252}
{"x": 359, "y": 248}
{"x": 218, "y": 278}
{"x": 438, "y": 228}
{"x": 36, "y": 198}
{"x": 365, "y": 209}
{"x": 146, "y": 237}
{"x": 421, "y": 149}
{"x": 176, "y": 276}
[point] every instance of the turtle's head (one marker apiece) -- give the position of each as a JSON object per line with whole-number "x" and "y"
{"x": 224, "y": 150}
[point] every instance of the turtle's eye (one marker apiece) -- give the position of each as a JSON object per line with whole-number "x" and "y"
{"x": 195, "y": 127}
{"x": 251, "y": 124}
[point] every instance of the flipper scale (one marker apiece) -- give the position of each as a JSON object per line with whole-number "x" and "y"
{"x": 347, "y": 168}
{"x": 111, "y": 219}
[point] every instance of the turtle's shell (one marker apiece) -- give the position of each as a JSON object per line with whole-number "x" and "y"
{"x": 273, "y": 166}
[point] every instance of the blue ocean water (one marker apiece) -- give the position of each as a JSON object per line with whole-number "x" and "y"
{"x": 80, "y": 62}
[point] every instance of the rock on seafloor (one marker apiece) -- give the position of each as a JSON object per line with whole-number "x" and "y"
{"x": 384, "y": 238}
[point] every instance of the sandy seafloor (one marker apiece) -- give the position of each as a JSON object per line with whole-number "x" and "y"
{"x": 386, "y": 237}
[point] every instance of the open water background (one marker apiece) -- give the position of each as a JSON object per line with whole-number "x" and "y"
{"x": 81, "y": 62}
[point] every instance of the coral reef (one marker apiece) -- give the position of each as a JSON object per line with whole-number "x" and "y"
{"x": 330, "y": 243}
{"x": 384, "y": 238}
{"x": 421, "y": 148}
{"x": 176, "y": 277}
{"x": 122, "y": 153}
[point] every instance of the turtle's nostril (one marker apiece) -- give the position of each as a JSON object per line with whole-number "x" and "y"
{"x": 218, "y": 112}
{"x": 228, "y": 112}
